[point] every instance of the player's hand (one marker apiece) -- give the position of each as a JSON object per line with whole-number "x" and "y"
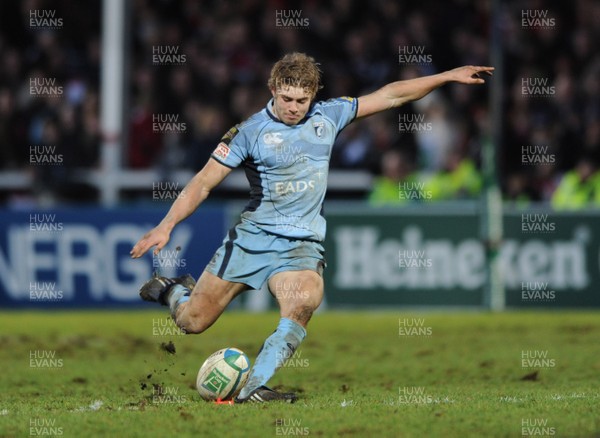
{"x": 158, "y": 237}
{"x": 469, "y": 74}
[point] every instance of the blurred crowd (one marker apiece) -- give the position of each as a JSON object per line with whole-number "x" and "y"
{"x": 214, "y": 58}
{"x": 49, "y": 81}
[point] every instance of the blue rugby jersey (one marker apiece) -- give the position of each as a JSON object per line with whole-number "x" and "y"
{"x": 287, "y": 166}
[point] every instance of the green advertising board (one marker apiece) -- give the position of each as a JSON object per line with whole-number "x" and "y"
{"x": 435, "y": 256}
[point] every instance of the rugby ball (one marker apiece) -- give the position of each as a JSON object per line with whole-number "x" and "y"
{"x": 223, "y": 375}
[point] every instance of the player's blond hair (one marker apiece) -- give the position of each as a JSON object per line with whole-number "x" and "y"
{"x": 296, "y": 70}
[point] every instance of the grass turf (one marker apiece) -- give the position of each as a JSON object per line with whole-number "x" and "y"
{"x": 358, "y": 374}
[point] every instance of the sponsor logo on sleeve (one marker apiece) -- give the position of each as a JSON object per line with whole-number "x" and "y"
{"x": 222, "y": 151}
{"x": 229, "y": 135}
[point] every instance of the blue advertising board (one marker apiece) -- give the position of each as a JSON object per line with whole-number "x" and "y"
{"x": 80, "y": 257}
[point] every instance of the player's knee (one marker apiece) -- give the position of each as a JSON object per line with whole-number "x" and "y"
{"x": 192, "y": 324}
{"x": 302, "y": 313}
{"x": 193, "y": 327}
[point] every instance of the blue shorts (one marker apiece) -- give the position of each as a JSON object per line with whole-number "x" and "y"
{"x": 251, "y": 256}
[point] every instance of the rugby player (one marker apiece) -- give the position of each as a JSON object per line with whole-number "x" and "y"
{"x": 285, "y": 150}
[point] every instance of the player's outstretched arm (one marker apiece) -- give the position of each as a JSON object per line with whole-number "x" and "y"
{"x": 398, "y": 93}
{"x": 190, "y": 198}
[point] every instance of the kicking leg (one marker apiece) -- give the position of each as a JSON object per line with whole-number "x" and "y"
{"x": 194, "y": 306}
{"x": 299, "y": 294}
{"x": 196, "y": 311}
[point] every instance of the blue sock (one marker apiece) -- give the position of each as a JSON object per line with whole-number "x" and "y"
{"x": 278, "y": 347}
{"x": 178, "y": 295}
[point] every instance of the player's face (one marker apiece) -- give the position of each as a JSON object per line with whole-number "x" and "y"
{"x": 291, "y": 104}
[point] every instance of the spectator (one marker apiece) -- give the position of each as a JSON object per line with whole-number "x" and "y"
{"x": 459, "y": 179}
{"x": 578, "y": 188}
{"x": 396, "y": 182}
